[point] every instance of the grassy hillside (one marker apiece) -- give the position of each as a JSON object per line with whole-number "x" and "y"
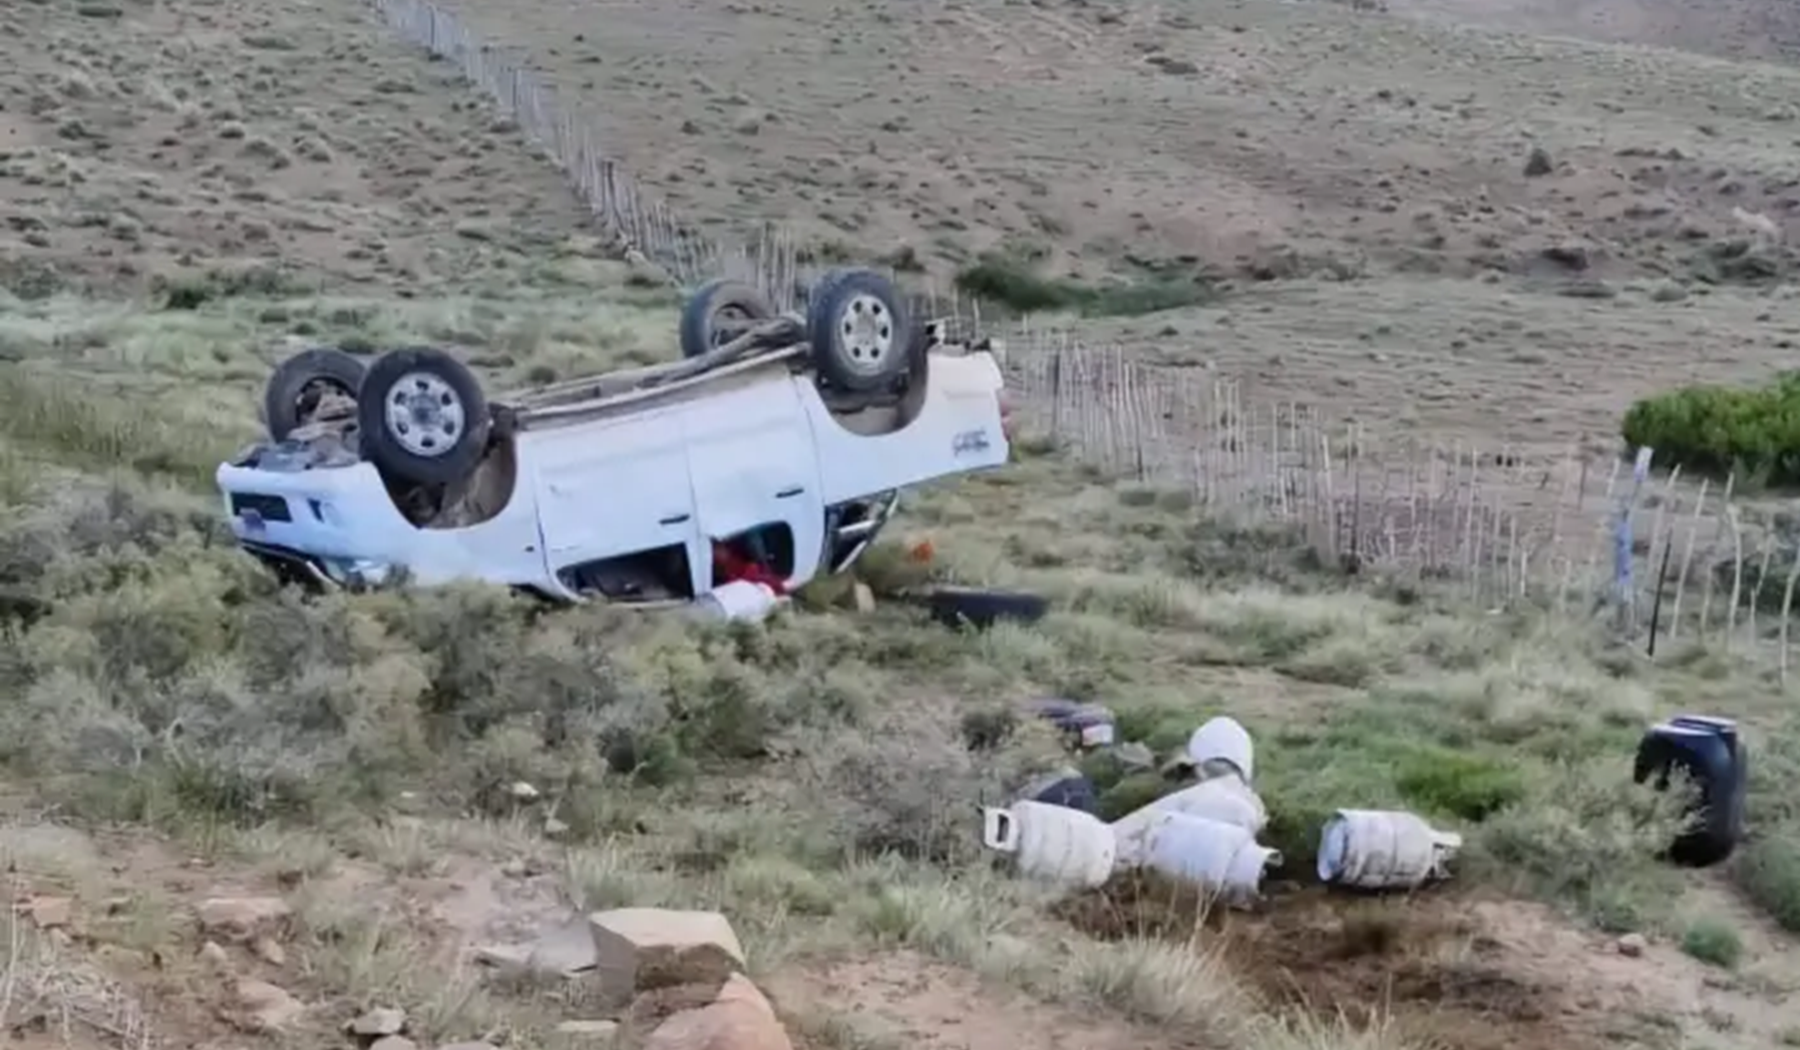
{"x": 190, "y": 189}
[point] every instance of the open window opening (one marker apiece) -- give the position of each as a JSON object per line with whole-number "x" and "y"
{"x": 656, "y": 575}
{"x": 764, "y": 554}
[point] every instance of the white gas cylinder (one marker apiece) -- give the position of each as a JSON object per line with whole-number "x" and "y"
{"x": 1222, "y": 745}
{"x": 1224, "y": 859}
{"x": 1383, "y": 849}
{"x": 738, "y": 600}
{"x": 1054, "y": 843}
{"x": 1226, "y": 799}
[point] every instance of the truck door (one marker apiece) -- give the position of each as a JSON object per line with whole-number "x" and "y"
{"x": 753, "y": 463}
{"x": 616, "y": 494}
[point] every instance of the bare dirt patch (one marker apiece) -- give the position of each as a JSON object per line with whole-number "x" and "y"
{"x": 915, "y": 1002}
{"x": 1458, "y": 968}
{"x": 1439, "y": 969}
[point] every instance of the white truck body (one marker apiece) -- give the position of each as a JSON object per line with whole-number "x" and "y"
{"x": 672, "y": 473}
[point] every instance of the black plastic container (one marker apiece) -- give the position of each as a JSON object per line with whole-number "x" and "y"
{"x": 1709, "y": 751}
{"x": 1084, "y": 725}
{"x": 1068, "y": 789}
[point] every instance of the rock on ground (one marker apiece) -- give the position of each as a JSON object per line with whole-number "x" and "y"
{"x": 382, "y": 1020}
{"x": 242, "y": 918}
{"x": 740, "y": 1019}
{"x": 638, "y": 949}
{"x": 263, "y": 1007}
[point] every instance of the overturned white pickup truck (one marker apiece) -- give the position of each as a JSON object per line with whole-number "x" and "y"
{"x": 775, "y": 450}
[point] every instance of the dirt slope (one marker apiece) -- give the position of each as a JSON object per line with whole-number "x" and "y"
{"x": 143, "y": 139}
{"x": 1765, "y": 30}
{"x": 1260, "y": 137}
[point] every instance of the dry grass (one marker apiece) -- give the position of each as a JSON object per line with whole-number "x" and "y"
{"x": 808, "y": 776}
{"x": 46, "y": 986}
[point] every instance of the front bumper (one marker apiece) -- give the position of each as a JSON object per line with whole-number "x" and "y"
{"x": 290, "y": 566}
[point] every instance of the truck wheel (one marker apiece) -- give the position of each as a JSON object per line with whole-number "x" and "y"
{"x": 719, "y": 312}
{"x": 859, "y": 331}
{"x": 302, "y": 381}
{"x": 422, "y": 417}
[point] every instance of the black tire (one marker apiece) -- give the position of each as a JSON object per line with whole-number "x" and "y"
{"x": 860, "y": 332}
{"x": 441, "y": 436}
{"x": 295, "y": 387}
{"x": 716, "y": 301}
{"x": 957, "y": 606}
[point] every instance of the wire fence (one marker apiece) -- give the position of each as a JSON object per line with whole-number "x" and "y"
{"x": 1659, "y": 559}
{"x": 636, "y": 221}
{"x": 1663, "y": 559}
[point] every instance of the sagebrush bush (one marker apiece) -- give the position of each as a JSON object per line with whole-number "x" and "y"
{"x": 912, "y": 786}
{"x": 1012, "y": 282}
{"x": 164, "y": 671}
{"x": 1769, "y": 873}
{"x": 1713, "y": 941}
{"x": 1584, "y": 832}
{"x": 1718, "y": 429}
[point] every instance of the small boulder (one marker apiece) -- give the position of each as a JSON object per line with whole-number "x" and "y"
{"x": 263, "y": 1007}
{"x": 269, "y": 950}
{"x": 243, "y": 918}
{"x": 50, "y": 913}
{"x": 1632, "y": 945}
{"x": 637, "y": 949}
{"x": 1538, "y": 163}
{"x": 565, "y": 950}
{"x": 507, "y": 958}
{"x": 740, "y": 1019}
{"x": 1134, "y": 757}
{"x": 383, "y": 1020}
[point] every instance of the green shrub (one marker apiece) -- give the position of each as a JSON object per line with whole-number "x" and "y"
{"x": 1713, "y": 941}
{"x": 1717, "y": 429}
{"x": 1013, "y": 283}
{"x": 1438, "y": 780}
{"x": 1769, "y": 874}
{"x": 1134, "y": 793}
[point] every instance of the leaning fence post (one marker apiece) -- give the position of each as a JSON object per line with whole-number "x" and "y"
{"x": 1787, "y": 612}
{"x": 1687, "y": 561}
{"x": 1624, "y": 594}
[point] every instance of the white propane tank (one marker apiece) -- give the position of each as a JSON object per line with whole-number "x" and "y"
{"x": 1220, "y": 745}
{"x": 1052, "y": 842}
{"x": 1225, "y": 799}
{"x": 1224, "y": 859}
{"x": 738, "y": 600}
{"x": 1383, "y": 849}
